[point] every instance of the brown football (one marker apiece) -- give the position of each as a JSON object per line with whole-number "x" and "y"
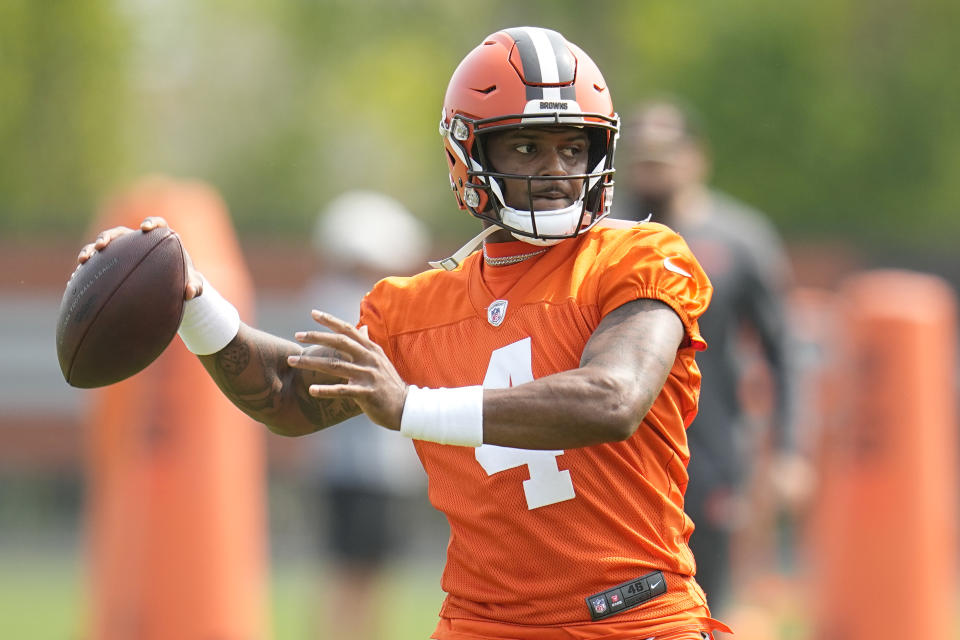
{"x": 121, "y": 308}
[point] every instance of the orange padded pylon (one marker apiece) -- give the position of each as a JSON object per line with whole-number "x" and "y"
{"x": 885, "y": 534}
{"x": 176, "y": 495}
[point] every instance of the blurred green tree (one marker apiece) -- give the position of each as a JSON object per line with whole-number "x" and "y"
{"x": 838, "y": 117}
{"x": 63, "y": 101}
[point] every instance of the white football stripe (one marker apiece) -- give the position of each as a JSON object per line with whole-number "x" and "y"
{"x": 549, "y": 74}
{"x": 552, "y": 93}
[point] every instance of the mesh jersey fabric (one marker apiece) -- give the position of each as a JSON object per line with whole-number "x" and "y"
{"x": 516, "y": 561}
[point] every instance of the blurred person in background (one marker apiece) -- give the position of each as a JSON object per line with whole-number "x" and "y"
{"x": 667, "y": 181}
{"x": 362, "y": 474}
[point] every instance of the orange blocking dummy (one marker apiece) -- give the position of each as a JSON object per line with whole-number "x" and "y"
{"x": 176, "y": 518}
{"x": 885, "y": 528}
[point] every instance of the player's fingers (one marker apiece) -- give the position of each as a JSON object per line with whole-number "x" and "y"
{"x": 102, "y": 240}
{"x": 332, "y": 365}
{"x": 364, "y": 332}
{"x": 383, "y": 405}
{"x": 336, "y": 390}
{"x": 195, "y": 280}
{"x": 340, "y": 326}
{"x": 85, "y": 253}
{"x": 194, "y": 286}
{"x": 336, "y": 341}
{"x": 153, "y": 222}
{"x": 106, "y": 237}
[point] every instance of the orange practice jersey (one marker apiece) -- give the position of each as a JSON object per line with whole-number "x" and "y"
{"x": 533, "y": 534}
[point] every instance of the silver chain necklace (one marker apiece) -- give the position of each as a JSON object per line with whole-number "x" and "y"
{"x": 505, "y": 260}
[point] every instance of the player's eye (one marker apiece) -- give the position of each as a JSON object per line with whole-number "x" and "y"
{"x": 525, "y": 148}
{"x": 571, "y": 152}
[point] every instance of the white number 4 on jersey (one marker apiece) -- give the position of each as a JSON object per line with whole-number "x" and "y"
{"x": 511, "y": 365}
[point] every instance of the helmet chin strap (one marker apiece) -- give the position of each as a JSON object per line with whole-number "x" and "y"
{"x": 537, "y": 242}
{"x": 552, "y": 222}
{"x": 461, "y": 254}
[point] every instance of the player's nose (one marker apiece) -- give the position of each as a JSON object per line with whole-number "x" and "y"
{"x": 552, "y": 164}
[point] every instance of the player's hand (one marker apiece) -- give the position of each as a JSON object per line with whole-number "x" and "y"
{"x": 103, "y": 239}
{"x": 194, "y": 281}
{"x": 369, "y": 378}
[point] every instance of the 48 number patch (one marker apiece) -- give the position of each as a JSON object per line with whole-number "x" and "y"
{"x": 626, "y": 595}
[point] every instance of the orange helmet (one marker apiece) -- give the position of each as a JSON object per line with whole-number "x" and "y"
{"x": 518, "y": 78}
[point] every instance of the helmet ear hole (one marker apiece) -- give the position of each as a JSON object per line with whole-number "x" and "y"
{"x": 598, "y": 147}
{"x": 594, "y": 198}
{"x": 479, "y": 154}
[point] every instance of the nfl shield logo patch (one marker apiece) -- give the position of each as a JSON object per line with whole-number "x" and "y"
{"x": 599, "y": 605}
{"x": 496, "y": 312}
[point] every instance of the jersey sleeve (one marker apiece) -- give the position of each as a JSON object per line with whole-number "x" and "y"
{"x": 650, "y": 261}
{"x": 373, "y": 313}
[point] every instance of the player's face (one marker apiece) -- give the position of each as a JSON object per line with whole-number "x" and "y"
{"x": 555, "y": 151}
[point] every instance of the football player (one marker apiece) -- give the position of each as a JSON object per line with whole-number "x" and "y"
{"x": 546, "y": 380}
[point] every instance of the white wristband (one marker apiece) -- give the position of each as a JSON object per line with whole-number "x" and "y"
{"x": 209, "y": 322}
{"x": 448, "y": 416}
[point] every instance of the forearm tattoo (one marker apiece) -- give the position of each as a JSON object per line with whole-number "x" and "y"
{"x": 256, "y": 377}
{"x": 233, "y": 360}
{"x": 251, "y": 392}
{"x": 325, "y": 411}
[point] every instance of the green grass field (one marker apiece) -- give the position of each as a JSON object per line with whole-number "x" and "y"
{"x": 41, "y": 598}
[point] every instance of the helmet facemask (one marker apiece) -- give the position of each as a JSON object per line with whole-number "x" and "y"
{"x": 484, "y": 189}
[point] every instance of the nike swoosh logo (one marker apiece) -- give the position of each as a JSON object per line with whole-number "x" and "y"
{"x": 668, "y": 263}
{"x": 657, "y": 583}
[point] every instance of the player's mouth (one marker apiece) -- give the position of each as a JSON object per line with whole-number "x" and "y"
{"x": 551, "y": 199}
